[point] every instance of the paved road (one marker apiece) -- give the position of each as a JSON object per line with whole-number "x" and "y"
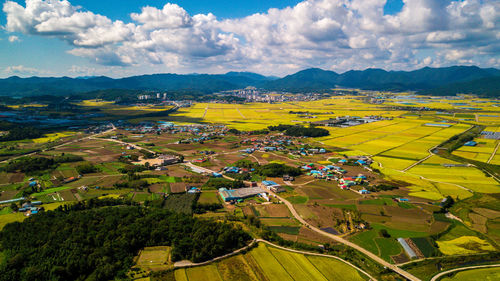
{"x": 317, "y": 254}
{"x": 186, "y": 263}
{"x": 127, "y": 143}
{"x": 439, "y": 275}
{"x": 376, "y": 258}
{"x": 346, "y": 242}
{"x": 494, "y": 153}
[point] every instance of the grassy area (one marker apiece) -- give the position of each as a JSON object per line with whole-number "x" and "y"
{"x": 486, "y": 274}
{"x": 297, "y": 199}
{"x": 209, "y": 197}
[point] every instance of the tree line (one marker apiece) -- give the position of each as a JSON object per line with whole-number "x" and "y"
{"x": 82, "y": 242}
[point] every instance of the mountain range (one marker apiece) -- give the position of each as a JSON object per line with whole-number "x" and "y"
{"x": 436, "y": 81}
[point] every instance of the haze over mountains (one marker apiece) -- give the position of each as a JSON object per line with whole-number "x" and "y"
{"x": 436, "y": 81}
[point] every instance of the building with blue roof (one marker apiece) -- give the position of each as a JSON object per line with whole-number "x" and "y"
{"x": 470, "y": 143}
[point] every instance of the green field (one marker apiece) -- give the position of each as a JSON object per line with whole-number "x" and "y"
{"x": 483, "y": 274}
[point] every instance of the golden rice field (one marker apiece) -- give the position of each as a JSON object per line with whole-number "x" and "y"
{"x": 463, "y": 177}
{"x": 256, "y": 116}
{"x": 483, "y": 150}
{"x": 394, "y": 144}
{"x": 269, "y": 263}
{"x": 95, "y": 103}
{"x": 53, "y": 137}
{"x": 464, "y": 245}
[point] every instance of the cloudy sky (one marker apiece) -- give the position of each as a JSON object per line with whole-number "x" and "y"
{"x": 273, "y": 37}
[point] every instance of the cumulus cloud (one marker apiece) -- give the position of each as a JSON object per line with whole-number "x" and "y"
{"x": 25, "y": 71}
{"x": 13, "y": 39}
{"x": 332, "y": 34}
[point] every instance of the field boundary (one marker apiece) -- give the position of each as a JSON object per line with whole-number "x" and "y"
{"x": 187, "y": 264}
{"x": 319, "y": 255}
{"x": 493, "y": 153}
{"x": 441, "y": 274}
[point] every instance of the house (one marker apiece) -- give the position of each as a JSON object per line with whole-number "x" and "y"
{"x": 470, "y": 143}
{"x": 364, "y": 191}
{"x": 288, "y": 178}
{"x": 271, "y": 185}
{"x": 194, "y": 190}
{"x": 231, "y": 195}
{"x": 216, "y": 175}
{"x": 168, "y": 159}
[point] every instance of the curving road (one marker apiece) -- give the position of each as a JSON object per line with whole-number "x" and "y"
{"x": 439, "y": 275}
{"x": 374, "y": 257}
{"x": 317, "y": 254}
{"x": 338, "y": 239}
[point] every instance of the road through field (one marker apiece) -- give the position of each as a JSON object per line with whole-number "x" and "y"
{"x": 374, "y": 257}
{"x": 63, "y": 144}
{"x": 316, "y": 254}
{"x": 441, "y": 274}
{"x": 494, "y": 153}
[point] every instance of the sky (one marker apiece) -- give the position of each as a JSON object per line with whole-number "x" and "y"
{"x": 120, "y": 38}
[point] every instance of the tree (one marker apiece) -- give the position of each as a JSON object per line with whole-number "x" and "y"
{"x": 14, "y": 207}
{"x": 383, "y": 232}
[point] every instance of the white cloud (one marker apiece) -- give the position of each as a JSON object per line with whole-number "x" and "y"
{"x": 333, "y": 34}
{"x": 13, "y": 39}
{"x": 25, "y": 71}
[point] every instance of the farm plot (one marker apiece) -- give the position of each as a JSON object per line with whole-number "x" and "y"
{"x": 465, "y": 177}
{"x": 481, "y": 152}
{"x": 269, "y": 263}
{"x": 419, "y": 149}
{"x": 155, "y": 258}
{"x": 487, "y": 274}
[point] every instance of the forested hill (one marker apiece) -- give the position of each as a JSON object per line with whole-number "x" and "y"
{"x": 205, "y": 83}
{"x": 485, "y": 87}
{"x": 377, "y": 79}
{"x": 447, "y": 80}
{"x": 79, "y": 243}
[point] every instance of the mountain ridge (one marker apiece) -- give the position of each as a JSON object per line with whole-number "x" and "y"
{"x": 454, "y": 79}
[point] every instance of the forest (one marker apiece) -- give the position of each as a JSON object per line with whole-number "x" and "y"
{"x": 91, "y": 242}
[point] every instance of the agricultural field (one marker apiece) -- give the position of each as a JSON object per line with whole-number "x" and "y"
{"x": 484, "y": 151}
{"x": 407, "y": 180}
{"x": 486, "y": 274}
{"x": 269, "y": 263}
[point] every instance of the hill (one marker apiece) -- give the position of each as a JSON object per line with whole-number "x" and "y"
{"x": 485, "y": 87}
{"x": 379, "y": 79}
{"x": 447, "y": 80}
{"x": 16, "y": 86}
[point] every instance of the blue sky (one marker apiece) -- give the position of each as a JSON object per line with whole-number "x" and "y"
{"x": 121, "y": 38}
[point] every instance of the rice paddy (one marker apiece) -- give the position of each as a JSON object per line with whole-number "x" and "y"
{"x": 269, "y": 263}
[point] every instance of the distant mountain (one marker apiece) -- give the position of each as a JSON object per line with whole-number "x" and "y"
{"x": 15, "y": 86}
{"x": 486, "y": 87}
{"x": 451, "y": 80}
{"x": 309, "y": 79}
{"x": 379, "y": 79}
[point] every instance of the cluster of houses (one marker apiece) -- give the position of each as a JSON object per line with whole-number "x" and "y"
{"x": 349, "y": 121}
{"x": 269, "y": 143}
{"x": 202, "y": 132}
{"x": 279, "y": 143}
{"x": 31, "y": 208}
{"x": 262, "y": 190}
